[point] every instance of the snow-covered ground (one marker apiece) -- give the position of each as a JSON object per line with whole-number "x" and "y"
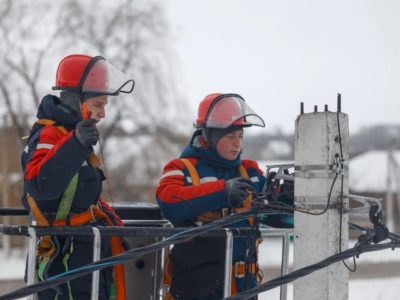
{"x": 365, "y": 289}
{"x": 359, "y": 289}
{"x": 270, "y": 255}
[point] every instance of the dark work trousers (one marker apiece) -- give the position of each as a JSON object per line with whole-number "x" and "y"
{"x": 81, "y": 255}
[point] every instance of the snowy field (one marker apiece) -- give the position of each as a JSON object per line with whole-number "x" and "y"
{"x": 365, "y": 289}
{"x": 270, "y": 255}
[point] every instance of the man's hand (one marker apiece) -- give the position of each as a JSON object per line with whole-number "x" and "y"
{"x": 237, "y": 189}
{"x": 86, "y": 132}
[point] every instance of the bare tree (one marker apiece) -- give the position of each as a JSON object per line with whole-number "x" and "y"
{"x": 133, "y": 35}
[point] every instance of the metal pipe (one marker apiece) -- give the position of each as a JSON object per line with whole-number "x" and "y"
{"x": 301, "y": 108}
{"x": 31, "y": 265}
{"x": 285, "y": 263}
{"x": 96, "y": 257}
{"x": 339, "y": 102}
{"x": 228, "y": 263}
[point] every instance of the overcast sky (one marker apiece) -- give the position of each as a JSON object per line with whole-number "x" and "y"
{"x": 279, "y": 53}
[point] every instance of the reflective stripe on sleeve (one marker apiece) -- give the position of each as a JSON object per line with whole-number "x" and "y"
{"x": 202, "y": 180}
{"x": 172, "y": 173}
{"x": 44, "y": 146}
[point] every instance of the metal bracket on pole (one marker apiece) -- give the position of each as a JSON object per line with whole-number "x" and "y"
{"x": 320, "y": 171}
{"x": 228, "y": 263}
{"x": 96, "y": 257}
{"x": 366, "y": 204}
{"x": 280, "y": 173}
{"x": 317, "y": 203}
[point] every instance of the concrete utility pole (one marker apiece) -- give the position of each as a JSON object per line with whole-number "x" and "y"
{"x": 317, "y": 162}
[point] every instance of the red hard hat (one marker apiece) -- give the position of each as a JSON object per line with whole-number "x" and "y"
{"x": 204, "y": 107}
{"x": 224, "y": 110}
{"x": 70, "y": 71}
{"x": 92, "y": 75}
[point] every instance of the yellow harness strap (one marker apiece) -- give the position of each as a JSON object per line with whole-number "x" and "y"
{"x": 46, "y": 247}
{"x": 247, "y": 202}
{"x": 194, "y": 175}
{"x": 48, "y": 122}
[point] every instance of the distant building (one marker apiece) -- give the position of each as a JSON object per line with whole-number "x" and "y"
{"x": 376, "y": 173}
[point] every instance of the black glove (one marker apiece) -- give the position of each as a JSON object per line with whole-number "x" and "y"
{"x": 237, "y": 189}
{"x": 86, "y": 132}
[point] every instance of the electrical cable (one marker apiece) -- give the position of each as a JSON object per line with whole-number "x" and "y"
{"x": 187, "y": 234}
{"x": 352, "y": 252}
{"x": 341, "y": 189}
{"x": 129, "y": 255}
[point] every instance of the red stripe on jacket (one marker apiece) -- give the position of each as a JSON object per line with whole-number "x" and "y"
{"x": 172, "y": 189}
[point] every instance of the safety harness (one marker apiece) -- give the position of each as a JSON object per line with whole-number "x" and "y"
{"x": 239, "y": 268}
{"x": 47, "y": 250}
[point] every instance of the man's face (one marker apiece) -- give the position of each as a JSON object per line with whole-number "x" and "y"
{"x": 97, "y": 107}
{"x": 230, "y": 145}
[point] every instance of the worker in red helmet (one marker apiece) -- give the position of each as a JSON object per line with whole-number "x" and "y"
{"x": 63, "y": 178}
{"x": 208, "y": 181}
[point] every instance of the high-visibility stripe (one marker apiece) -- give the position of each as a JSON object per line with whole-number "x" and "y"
{"x": 172, "y": 173}
{"x": 202, "y": 180}
{"x": 208, "y": 179}
{"x": 254, "y": 179}
{"x": 44, "y": 146}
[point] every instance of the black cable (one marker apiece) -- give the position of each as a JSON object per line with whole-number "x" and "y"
{"x": 180, "y": 237}
{"x": 126, "y": 256}
{"x": 341, "y": 194}
{"x": 352, "y": 252}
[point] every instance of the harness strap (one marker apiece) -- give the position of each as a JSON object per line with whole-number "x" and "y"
{"x": 88, "y": 216}
{"x": 48, "y": 122}
{"x": 67, "y": 198}
{"x": 192, "y": 171}
{"x": 116, "y": 247}
{"x": 37, "y": 213}
{"x": 240, "y": 269}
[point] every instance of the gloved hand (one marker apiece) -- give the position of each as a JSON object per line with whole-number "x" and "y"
{"x": 237, "y": 189}
{"x": 86, "y": 132}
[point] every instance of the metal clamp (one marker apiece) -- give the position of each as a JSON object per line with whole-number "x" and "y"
{"x": 366, "y": 204}
{"x": 316, "y": 171}
{"x": 280, "y": 173}
{"x": 313, "y": 202}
